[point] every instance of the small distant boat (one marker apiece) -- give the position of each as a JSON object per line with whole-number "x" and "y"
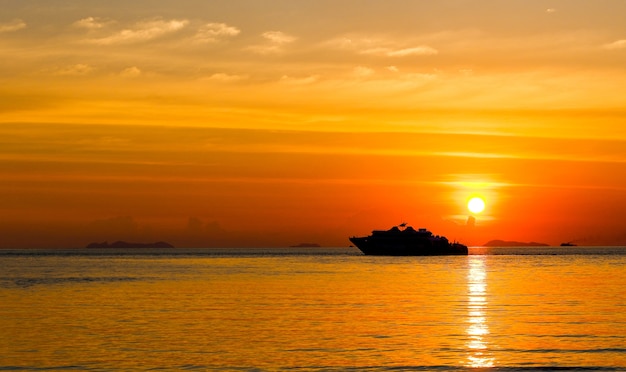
{"x": 407, "y": 242}
{"x": 568, "y": 244}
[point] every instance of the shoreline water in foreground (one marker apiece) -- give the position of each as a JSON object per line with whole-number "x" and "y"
{"x": 328, "y": 309}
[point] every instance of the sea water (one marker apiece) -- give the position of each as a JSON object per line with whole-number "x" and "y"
{"x": 318, "y": 309}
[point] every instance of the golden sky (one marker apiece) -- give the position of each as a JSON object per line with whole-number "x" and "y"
{"x": 247, "y": 123}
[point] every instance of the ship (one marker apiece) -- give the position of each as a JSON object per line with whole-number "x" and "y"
{"x": 568, "y": 244}
{"x": 403, "y": 240}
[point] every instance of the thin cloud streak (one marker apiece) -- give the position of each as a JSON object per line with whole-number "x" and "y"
{"x": 80, "y": 69}
{"x": 12, "y": 26}
{"x": 618, "y": 44}
{"x": 275, "y": 42}
{"x": 143, "y": 31}
{"x": 214, "y": 32}
{"x": 379, "y": 46}
{"x": 90, "y": 23}
{"x": 139, "y": 148}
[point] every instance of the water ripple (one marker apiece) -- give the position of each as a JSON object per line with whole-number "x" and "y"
{"x": 29, "y": 282}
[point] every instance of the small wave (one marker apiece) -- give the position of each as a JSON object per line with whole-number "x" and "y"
{"x": 55, "y": 368}
{"x": 567, "y": 351}
{"x": 30, "y": 282}
{"x": 450, "y": 368}
{"x": 191, "y": 367}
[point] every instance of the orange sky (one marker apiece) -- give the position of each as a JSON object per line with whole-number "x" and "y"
{"x": 236, "y": 123}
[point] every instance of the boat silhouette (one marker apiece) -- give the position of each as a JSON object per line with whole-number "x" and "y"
{"x": 407, "y": 242}
{"x": 568, "y": 244}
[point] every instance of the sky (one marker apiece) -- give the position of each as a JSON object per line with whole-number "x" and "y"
{"x": 247, "y": 123}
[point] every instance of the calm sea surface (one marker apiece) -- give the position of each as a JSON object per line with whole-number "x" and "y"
{"x": 312, "y": 309}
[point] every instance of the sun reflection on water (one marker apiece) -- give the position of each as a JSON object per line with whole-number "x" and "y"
{"x": 478, "y": 328}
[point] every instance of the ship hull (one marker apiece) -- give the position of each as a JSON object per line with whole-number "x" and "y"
{"x": 393, "y": 247}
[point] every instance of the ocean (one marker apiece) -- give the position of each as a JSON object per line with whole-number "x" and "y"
{"x": 312, "y": 309}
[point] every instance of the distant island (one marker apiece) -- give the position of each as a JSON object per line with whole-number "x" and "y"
{"x": 121, "y": 244}
{"x": 504, "y": 243}
{"x": 305, "y": 245}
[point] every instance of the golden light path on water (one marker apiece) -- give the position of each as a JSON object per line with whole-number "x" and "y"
{"x": 478, "y": 329}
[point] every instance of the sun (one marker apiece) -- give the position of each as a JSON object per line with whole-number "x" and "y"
{"x": 476, "y": 205}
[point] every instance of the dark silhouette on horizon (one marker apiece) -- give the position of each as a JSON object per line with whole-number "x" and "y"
{"x": 305, "y": 245}
{"x": 407, "y": 242}
{"x": 507, "y": 243}
{"x": 122, "y": 244}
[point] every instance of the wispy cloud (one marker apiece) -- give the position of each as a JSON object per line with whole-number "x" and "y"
{"x": 285, "y": 79}
{"x": 378, "y": 46}
{"x": 90, "y": 23}
{"x": 277, "y": 37}
{"x": 362, "y": 72}
{"x": 131, "y": 72}
{"x": 12, "y": 26}
{"x": 143, "y": 31}
{"x": 225, "y": 78}
{"x": 79, "y": 69}
{"x": 212, "y": 32}
{"x": 404, "y": 52}
{"x": 275, "y": 42}
{"x": 619, "y": 44}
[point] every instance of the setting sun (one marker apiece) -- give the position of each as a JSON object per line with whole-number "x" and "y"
{"x": 476, "y": 205}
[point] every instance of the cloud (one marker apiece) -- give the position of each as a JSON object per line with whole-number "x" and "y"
{"x": 299, "y": 81}
{"x": 275, "y": 41}
{"x": 143, "y": 31}
{"x": 415, "y": 51}
{"x": 208, "y": 233}
{"x": 12, "y": 26}
{"x": 550, "y": 10}
{"x": 212, "y": 32}
{"x": 130, "y": 72}
{"x": 79, "y": 69}
{"x": 225, "y": 78}
{"x": 194, "y": 225}
{"x": 379, "y": 47}
{"x": 402, "y": 52}
{"x": 619, "y": 44}
{"x": 361, "y": 71}
{"x": 277, "y": 37}
{"x": 90, "y": 23}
